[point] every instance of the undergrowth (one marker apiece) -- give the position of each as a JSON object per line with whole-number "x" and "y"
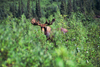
{"x": 24, "y": 45}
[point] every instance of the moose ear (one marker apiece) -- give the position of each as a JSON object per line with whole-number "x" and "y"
{"x": 53, "y": 20}
{"x": 46, "y": 22}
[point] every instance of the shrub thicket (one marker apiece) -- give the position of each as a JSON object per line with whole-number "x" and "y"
{"x": 22, "y": 44}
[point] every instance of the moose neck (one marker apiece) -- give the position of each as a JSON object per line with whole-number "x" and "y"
{"x": 44, "y": 29}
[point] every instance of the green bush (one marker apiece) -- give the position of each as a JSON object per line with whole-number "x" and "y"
{"x": 24, "y": 45}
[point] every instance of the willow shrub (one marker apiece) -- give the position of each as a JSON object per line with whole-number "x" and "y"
{"x": 23, "y": 44}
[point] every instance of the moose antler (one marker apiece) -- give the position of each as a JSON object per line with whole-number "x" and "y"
{"x": 49, "y": 23}
{"x": 34, "y": 22}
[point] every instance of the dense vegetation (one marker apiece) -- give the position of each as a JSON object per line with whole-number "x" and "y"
{"x": 24, "y": 45}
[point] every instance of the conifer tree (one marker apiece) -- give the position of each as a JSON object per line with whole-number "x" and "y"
{"x": 19, "y": 9}
{"x": 63, "y": 7}
{"x": 38, "y": 9}
{"x": 13, "y": 8}
{"x": 28, "y": 9}
{"x": 69, "y": 8}
{"x": 74, "y": 6}
{"x": 22, "y": 7}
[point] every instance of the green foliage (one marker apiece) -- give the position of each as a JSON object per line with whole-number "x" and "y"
{"x": 24, "y": 45}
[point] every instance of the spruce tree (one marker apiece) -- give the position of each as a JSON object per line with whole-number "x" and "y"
{"x": 38, "y": 9}
{"x": 19, "y": 9}
{"x": 13, "y": 8}
{"x": 82, "y": 6}
{"x": 63, "y": 7}
{"x": 33, "y": 10}
{"x": 69, "y": 8}
{"x": 74, "y": 6}
{"x": 28, "y": 9}
{"x": 22, "y": 7}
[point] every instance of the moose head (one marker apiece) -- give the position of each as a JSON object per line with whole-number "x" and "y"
{"x": 45, "y": 27}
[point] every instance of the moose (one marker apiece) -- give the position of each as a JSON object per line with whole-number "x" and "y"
{"x": 46, "y": 28}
